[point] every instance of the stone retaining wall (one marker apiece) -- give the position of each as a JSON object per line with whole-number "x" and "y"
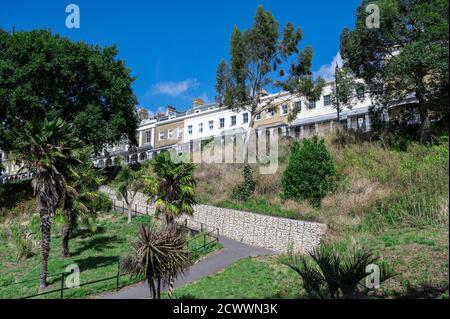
{"x": 268, "y": 232}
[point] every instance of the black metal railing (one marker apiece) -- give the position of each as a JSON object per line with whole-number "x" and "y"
{"x": 200, "y": 240}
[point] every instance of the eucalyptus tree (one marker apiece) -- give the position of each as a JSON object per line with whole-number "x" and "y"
{"x": 406, "y": 56}
{"x": 49, "y": 150}
{"x": 263, "y": 58}
{"x": 344, "y": 90}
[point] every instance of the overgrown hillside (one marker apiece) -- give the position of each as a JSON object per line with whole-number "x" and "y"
{"x": 389, "y": 197}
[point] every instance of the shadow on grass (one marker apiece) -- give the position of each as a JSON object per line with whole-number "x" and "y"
{"x": 93, "y": 262}
{"x": 97, "y": 243}
{"x": 424, "y": 291}
{"x": 85, "y": 233}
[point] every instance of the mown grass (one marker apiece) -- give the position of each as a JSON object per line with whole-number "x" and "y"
{"x": 96, "y": 254}
{"x": 248, "y": 278}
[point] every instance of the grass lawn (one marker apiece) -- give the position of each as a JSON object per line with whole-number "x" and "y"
{"x": 97, "y": 255}
{"x": 419, "y": 257}
{"x": 262, "y": 277}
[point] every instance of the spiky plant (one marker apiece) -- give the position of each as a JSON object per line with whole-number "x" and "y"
{"x": 327, "y": 274}
{"x": 159, "y": 255}
{"x": 49, "y": 150}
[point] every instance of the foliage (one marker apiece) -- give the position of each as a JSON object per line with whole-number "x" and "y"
{"x": 344, "y": 90}
{"x": 310, "y": 173}
{"x": 128, "y": 183}
{"x": 171, "y": 185}
{"x": 21, "y": 241}
{"x": 48, "y": 149}
{"x": 244, "y": 190}
{"x": 46, "y": 75}
{"x": 261, "y": 58}
{"x": 159, "y": 255}
{"x": 328, "y": 274}
{"x": 412, "y": 41}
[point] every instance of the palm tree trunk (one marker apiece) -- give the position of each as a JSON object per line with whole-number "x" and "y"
{"x": 45, "y": 244}
{"x": 65, "y": 233}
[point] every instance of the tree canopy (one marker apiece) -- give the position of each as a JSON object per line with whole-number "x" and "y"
{"x": 43, "y": 75}
{"x": 262, "y": 58}
{"x": 407, "y": 55}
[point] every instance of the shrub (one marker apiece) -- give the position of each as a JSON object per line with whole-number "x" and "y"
{"x": 100, "y": 203}
{"x": 244, "y": 190}
{"x": 21, "y": 241}
{"x": 328, "y": 274}
{"x": 310, "y": 174}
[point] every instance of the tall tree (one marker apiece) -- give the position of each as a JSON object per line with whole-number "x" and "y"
{"x": 407, "y": 54}
{"x": 49, "y": 150}
{"x": 45, "y": 75}
{"x": 262, "y": 59}
{"x": 343, "y": 91}
{"x": 128, "y": 184}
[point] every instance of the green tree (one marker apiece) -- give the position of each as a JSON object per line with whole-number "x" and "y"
{"x": 408, "y": 54}
{"x": 46, "y": 75}
{"x": 310, "y": 173}
{"x": 48, "y": 149}
{"x": 262, "y": 59}
{"x": 81, "y": 190}
{"x": 128, "y": 183}
{"x": 159, "y": 255}
{"x": 172, "y": 184}
{"x": 344, "y": 90}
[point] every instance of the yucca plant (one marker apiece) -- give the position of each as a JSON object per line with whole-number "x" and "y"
{"x": 48, "y": 149}
{"x": 159, "y": 255}
{"x": 328, "y": 274}
{"x": 172, "y": 184}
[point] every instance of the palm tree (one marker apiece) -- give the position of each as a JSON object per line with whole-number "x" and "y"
{"x": 81, "y": 189}
{"x": 128, "y": 183}
{"x": 327, "y": 274}
{"x": 173, "y": 186}
{"x": 49, "y": 150}
{"x": 159, "y": 255}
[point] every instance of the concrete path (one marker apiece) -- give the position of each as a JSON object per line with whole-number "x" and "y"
{"x": 231, "y": 252}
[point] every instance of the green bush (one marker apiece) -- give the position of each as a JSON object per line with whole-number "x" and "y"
{"x": 310, "y": 174}
{"x": 100, "y": 203}
{"x": 244, "y": 190}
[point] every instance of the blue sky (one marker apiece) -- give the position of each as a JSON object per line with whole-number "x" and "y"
{"x": 173, "y": 47}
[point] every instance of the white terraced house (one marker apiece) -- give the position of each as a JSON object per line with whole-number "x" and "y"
{"x": 200, "y": 122}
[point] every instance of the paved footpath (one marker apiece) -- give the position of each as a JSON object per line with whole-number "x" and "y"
{"x": 216, "y": 261}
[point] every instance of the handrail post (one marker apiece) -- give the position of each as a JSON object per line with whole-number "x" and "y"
{"x": 63, "y": 275}
{"x": 118, "y": 276}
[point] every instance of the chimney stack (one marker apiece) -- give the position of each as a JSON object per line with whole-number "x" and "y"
{"x": 170, "y": 109}
{"x": 198, "y": 102}
{"x": 143, "y": 114}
